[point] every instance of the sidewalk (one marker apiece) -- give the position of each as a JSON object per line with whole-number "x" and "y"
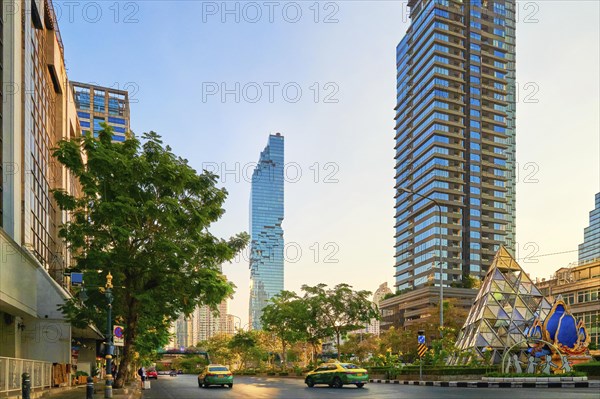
{"x": 79, "y": 392}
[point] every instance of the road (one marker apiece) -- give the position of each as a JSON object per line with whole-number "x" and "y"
{"x": 186, "y": 387}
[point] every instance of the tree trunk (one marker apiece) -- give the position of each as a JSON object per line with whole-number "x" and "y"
{"x": 126, "y": 366}
{"x": 284, "y": 354}
{"x": 339, "y": 350}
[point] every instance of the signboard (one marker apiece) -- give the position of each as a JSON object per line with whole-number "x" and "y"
{"x": 118, "y": 336}
{"x": 422, "y": 350}
{"x": 421, "y": 339}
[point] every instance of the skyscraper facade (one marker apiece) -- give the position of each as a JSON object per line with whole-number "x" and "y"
{"x": 590, "y": 247}
{"x": 97, "y": 104}
{"x": 37, "y": 111}
{"x": 455, "y": 139}
{"x": 266, "y": 233}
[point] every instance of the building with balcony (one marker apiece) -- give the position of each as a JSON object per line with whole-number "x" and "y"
{"x": 96, "y": 105}
{"x": 589, "y": 249}
{"x": 455, "y": 140}
{"x": 266, "y": 233}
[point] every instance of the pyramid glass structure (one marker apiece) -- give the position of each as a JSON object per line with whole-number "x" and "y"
{"x": 506, "y": 305}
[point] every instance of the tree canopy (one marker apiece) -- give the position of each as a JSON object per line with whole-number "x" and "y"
{"x": 143, "y": 214}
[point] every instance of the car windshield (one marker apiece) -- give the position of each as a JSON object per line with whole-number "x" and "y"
{"x": 220, "y": 368}
{"x": 349, "y": 366}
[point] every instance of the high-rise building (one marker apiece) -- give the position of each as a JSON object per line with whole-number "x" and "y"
{"x": 97, "y": 104}
{"x": 455, "y": 140}
{"x": 266, "y": 234}
{"x": 37, "y": 110}
{"x": 590, "y": 248}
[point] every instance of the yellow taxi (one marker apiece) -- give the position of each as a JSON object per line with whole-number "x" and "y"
{"x": 336, "y": 375}
{"x": 215, "y": 374}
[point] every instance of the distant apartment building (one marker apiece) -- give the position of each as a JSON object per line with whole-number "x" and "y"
{"x": 374, "y": 325}
{"x": 579, "y": 286}
{"x": 590, "y": 248}
{"x": 37, "y": 110}
{"x": 96, "y": 105}
{"x": 455, "y": 140}
{"x": 266, "y": 233}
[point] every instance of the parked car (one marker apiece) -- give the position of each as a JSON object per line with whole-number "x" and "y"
{"x": 215, "y": 374}
{"x": 337, "y": 375}
{"x": 152, "y": 373}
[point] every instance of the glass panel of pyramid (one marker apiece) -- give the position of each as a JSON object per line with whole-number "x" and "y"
{"x": 506, "y": 304}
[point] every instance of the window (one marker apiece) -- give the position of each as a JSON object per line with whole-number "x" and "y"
{"x": 99, "y": 102}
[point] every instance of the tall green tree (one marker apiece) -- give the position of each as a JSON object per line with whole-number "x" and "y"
{"x": 142, "y": 214}
{"x": 283, "y": 316}
{"x": 341, "y": 309}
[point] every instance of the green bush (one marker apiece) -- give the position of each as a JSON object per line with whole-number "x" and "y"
{"x": 454, "y": 370}
{"x": 283, "y": 374}
{"x": 81, "y": 374}
{"x": 590, "y": 368}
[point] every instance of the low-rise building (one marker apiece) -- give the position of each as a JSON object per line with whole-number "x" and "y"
{"x": 403, "y": 310}
{"x": 579, "y": 286}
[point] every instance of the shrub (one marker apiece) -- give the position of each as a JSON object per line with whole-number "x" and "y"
{"x": 590, "y": 368}
{"x": 454, "y": 370}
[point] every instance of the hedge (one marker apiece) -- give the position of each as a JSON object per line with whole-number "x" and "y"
{"x": 454, "y": 370}
{"x": 590, "y": 368}
{"x": 445, "y": 370}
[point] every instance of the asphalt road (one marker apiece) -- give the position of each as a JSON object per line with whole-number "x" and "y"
{"x": 186, "y": 387}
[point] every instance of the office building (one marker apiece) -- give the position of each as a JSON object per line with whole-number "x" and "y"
{"x": 37, "y": 110}
{"x": 455, "y": 140}
{"x": 590, "y": 248}
{"x": 266, "y": 233}
{"x": 97, "y": 104}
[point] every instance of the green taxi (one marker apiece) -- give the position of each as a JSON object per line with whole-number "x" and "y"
{"x": 337, "y": 375}
{"x": 215, "y": 374}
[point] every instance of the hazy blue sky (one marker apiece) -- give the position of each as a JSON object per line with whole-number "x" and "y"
{"x": 175, "y": 57}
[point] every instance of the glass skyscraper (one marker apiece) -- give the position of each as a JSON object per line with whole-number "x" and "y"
{"x": 97, "y": 104}
{"x": 590, "y": 248}
{"x": 266, "y": 216}
{"x": 455, "y": 139}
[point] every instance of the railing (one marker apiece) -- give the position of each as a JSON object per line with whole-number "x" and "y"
{"x": 11, "y": 370}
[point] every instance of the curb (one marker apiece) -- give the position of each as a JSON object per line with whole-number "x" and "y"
{"x": 487, "y": 384}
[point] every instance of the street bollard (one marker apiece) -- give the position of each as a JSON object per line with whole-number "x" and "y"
{"x": 26, "y": 386}
{"x": 89, "y": 390}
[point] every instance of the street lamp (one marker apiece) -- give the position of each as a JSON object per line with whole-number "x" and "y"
{"x": 439, "y": 211}
{"x": 109, "y": 351}
{"x": 109, "y": 337}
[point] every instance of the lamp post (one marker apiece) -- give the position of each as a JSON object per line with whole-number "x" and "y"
{"x": 439, "y": 211}
{"x": 109, "y": 350}
{"x": 109, "y": 337}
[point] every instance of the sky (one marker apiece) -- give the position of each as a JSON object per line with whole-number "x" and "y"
{"x": 215, "y": 79}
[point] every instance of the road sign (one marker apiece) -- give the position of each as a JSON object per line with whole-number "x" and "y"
{"x": 118, "y": 336}
{"x": 422, "y": 349}
{"x": 421, "y": 339}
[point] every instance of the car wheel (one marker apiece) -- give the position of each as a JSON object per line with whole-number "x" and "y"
{"x": 199, "y": 384}
{"x": 230, "y": 385}
{"x": 337, "y": 383}
{"x": 310, "y": 383}
{"x": 360, "y": 385}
